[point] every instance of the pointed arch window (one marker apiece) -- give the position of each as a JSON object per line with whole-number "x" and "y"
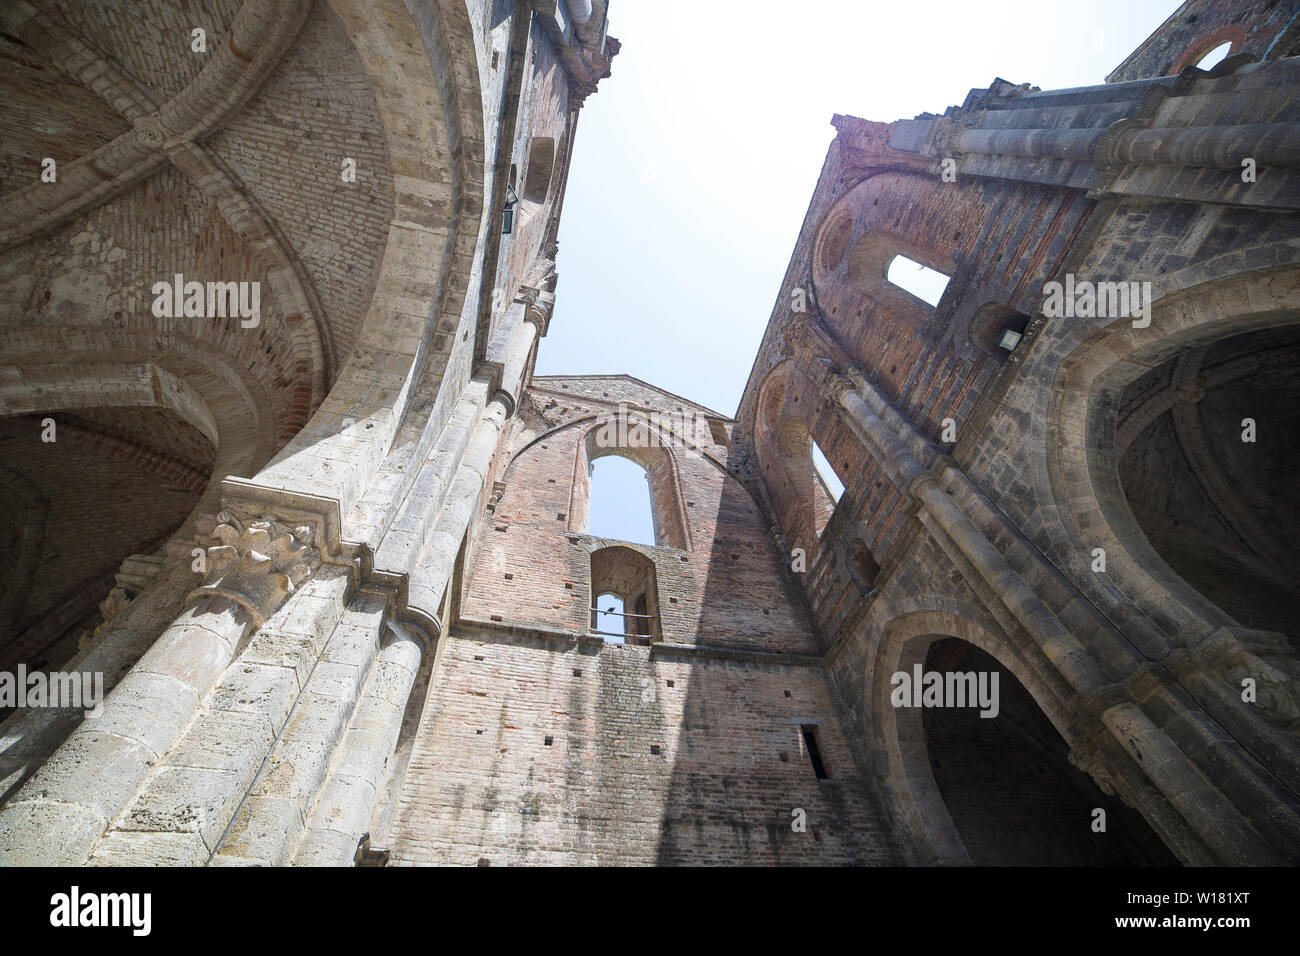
{"x": 620, "y": 501}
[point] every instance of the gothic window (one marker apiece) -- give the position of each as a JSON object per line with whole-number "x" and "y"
{"x": 616, "y": 463}
{"x": 620, "y": 501}
{"x": 903, "y": 278}
{"x": 830, "y": 481}
{"x": 541, "y": 164}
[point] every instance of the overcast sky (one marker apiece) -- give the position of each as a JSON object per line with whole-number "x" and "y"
{"x": 695, "y": 162}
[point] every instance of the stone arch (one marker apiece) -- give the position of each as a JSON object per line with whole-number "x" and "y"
{"x": 783, "y": 441}
{"x": 668, "y": 510}
{"x": 899, "y": 735}
{"x": 905, "y": 735}
{"x": 629, "y": 575}
{"x": 1083, "y": 463}
{"x": 428, "y": 99}
{"x": 1233, "y": 33}
{"x": 985, "y": 327}
{"x": 860, "y": 235}
{"x": 771, "y": 398}
{"x": 832, "y": 243}
{"x": 110, "y": 413}
{"x": 100, "y": 368}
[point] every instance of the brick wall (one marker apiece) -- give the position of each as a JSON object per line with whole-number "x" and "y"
{"x": 728, "y": 588}
{"x": 484, "y": 784}
{"x": 1198, "y": 26}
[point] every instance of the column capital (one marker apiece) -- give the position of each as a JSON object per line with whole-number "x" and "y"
{"x": 835, "y": 383}
{"x": 1087, "y": 757}
{"x": 256, "y": 564}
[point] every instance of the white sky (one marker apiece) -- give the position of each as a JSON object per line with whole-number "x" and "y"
{"x": 696, "y": 159}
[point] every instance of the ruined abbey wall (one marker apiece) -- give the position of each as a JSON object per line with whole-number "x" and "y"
{"x": 333, "y": 561}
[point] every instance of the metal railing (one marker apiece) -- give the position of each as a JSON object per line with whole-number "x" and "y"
{"x": 629, "y": 636}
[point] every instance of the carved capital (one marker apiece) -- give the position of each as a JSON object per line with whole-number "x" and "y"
{"x": 257, "y": 565}
{"x": 109, "y": 608}
{"x": 946, "y": 131}
{"x": 1189, "y": 394}
{"x": 498, "y": 489}
{"x": 1087, "y": 759}
{"x": 538, "y": 307}
{"x": 833, "y": 385}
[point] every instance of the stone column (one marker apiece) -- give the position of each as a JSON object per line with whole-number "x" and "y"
{"x": 275, "y": 805}
{"x": 347, "y": 801}
{"x": 29, "y": 736}
{"x": 433, "y": 570}
{"x": 464, "y": 497}
{"x": 61, "y": 812}
{"x": 1269, "y": 144}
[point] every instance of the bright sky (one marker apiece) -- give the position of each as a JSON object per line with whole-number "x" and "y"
{"x": 696, "y": 160}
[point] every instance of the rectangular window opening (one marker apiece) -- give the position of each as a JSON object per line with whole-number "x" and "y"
{"x": 810, "y": 742}
{"x": 922, "y": 281}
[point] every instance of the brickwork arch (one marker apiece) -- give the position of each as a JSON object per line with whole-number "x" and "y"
{"x": 784, "y": 442}
{"x": 163, "y": 433}
{"x": 105, "y": 369}
{"x": 377, "y": 418}
{"x": 629, "y": 575}
{"x": 887, "y": 214}
{"x": 1227, "y": 33}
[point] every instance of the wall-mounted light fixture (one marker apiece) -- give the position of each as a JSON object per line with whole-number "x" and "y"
{"x": 1010, "y": 339}
{"x": 512, "y": 200}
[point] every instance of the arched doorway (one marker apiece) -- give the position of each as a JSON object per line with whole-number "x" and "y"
{"x": 1009, "y": 787}
{"x": 969, "y": 788}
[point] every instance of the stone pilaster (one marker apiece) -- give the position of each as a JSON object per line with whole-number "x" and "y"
{"x": 62, "y": 811}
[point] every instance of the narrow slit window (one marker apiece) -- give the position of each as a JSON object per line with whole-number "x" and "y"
{"x": 922, "y": 281}
{"x": 834, "y": 486}
{"x": 814, "y": 749}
